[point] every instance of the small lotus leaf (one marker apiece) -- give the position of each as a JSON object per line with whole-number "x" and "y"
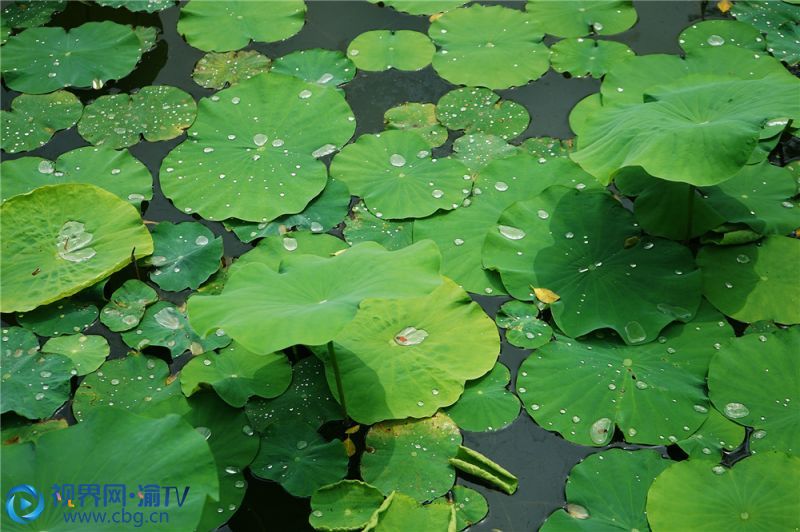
{"x": 716, "y": 435}
{"x": 363, "y": 226}
{"x": 581, "y": 17}
{"x": 581, "y": 57}
{"x": 523, "y": 328}
{"x": 33, "y": 119}
{"x": 219, "y": 70}
{"x": 126, "y": 307}
{"x": 67, "y": 316}
{"x": 346, "y": 505}
{"x": 479, "y": 110}
{"x": 401, "y": 512}
{"x": 419, "y": 118}
{"x": 87, "y": 353}
{"x": 329, "y": 68}
{"x": 716, "y": 33}
{"x": 384, "y": 49}
{"x": 486, "y": 404}
{"x": 184, "y": 255}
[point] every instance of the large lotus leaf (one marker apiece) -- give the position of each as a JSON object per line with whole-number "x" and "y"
{"x": 41, "y": 60}
{"x": 584, "y": 247}
{"x": 253, "y": 157}
{"x": 33, "y": 119}
{"x": 479, "y": 110}
{"x": 184, "y": 255}
{"x": 149, "y": 6}
{"x": 18, "y": 430}
{"x": 419, "y": 118}
{"x": 60, "y": 239}
{"x": 363, "y": 226}
{"x": 478, "y": 150}
{"x": 118, "y": 172}
{"x": 607, "y": 492}
{"x": 582, "y": 111}
{"x": 126, "y": 307}
{"x": 299, "y": 458}
{"x": 412, "y": 456}
{"x": 166, "y": 325}
{"x": 655, "y": 392}
{"x": 711, "y": 138}
{"x": 346, "y": 505}
{"x": 470, "y": 506}
{"x": 34, "y": 385}
{"x": 488, "y": 46}
{"x": 156, "y": 113}
{"x": 395, "y": 176}
{"x": 710, "y": 33}
{"x": 716, "y": 435}
{"x": 581, "y": 57}
{"x": 159, "y": 452}
{"x": 753, "y": 282}
{"x": 236, "y": 374}
{"x": 486, "y": 404}
{"x": 421, "y": 7}
{"x": 755, "y": 381}
{"x": 87, "y": 353}
{"x": 384, "y": 49}
{"x": 272, "y": 250}
{"x": 460, "y": 234}
{"x": 231, "y": 25}
{"x": 408, "y": 357}
{"x": 27, "y": 14}
{"x": 401, "y": 512}
{"x": 66, "y": 316}
{"x": 219, "y": 70}
{"x": 523, "y": 328}
{"x": 581, "y": 17}
{"x": 759, "y": 493}
{"x": 329, "y": 68}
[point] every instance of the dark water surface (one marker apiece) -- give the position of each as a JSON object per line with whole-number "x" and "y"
{"x": 539, "y": 458}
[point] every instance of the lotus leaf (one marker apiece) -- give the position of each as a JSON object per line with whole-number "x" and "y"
{"x": 66, "y": 316}
{"x": 28, "y": 14}
{"x": 582, "y": 111}
{"x": 329, "y": 68}
{"x": 783, "y": 44}
{"x": 547, "y": 147}
{"x": 346, "y": 505}
{"x": 60, "y": 239}
{"x": 401, "y": 512}
{"x": 220, "y": 70}
{"x": 655, "y": 392}
{"x": 481, "y": 467}
{"x": 486, "y": 404}
{"x": 411, "y": 456}
{"x": 20, "y": 431}
{"x": 41, "y": 60}
{"x": 34, "y": 385}
{"x": 755, "y": 381}
{"x": 584, "y": 247}
{"x": 362, "y": 226}
{"x": 273, "y": 249}
{"x": 478, "y": 150}
{"x": 756, "y": 494}
{"x": 581, "y": 17}
{"x": 581, "y": 57}
{"x": 470, "y": 506}
{"x": 421, "y": 7}
{"x": 87, "y": 353}
{"x": 384, "y": 49}
{"x": 236, "y": 374}
{"x": 488, "y": 46}
{"x": 778, "y": 21}
{"x": 607, "y": 491}
{"x": 419, "y": 118}
{"x": 716, "y": 435}
{"x": 755, "y": 281}
{"x": 721, "y": 33}
{"x": 396, "y": 177}
{"x": 33, "y": 119}
{"x": 479, "y": 110}
{"x": 126, "y": 308}
{"x": 264, "y": 149}
{"x": 523, "y": 328}
{"x": 149, "y": 6}
{"x": 184, "y": 255}
{"x": 231, "y": 25}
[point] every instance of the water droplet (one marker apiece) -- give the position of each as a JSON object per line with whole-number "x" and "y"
{"x": 325, "y": 78}
{"x": 410, "y": 336}
{"x": 97, "y": 84}
{"x": 597, "y": 26}
{"x": 239, "y": 484}
{"x": 206, "y": 362}
{"x": 759, "y": 434}
{"x": 788, "y": 204}
{"x": 209, "y": 149}
{"x": 576, "y": 511}
{"x": 718, "y": 469}
{"x": 742, "y": 259}
{"x": 512, "y": 233}
{"x": 316, "y": 227}
{"x": 205, "y": 432}
{"x": 277, "y": 143}
{"x": 435, "y": 391}
{"x": 135, "y": 197}
{"x": 600, "y": 431}
{"x": 317, "y": 513}
{"x": 168, "y": 318}
{"x": 324, "y": 150}
{"x": 114, "y": 382}
{"x": 45, "y": 374}
{"x": 635, "y": 332}
{"x": 715, "y": 40}
{"x": 544, "y": 215}
{"x": 46, "y": 167}
{"x": 305, "y": 94}
{"x": 397, "y": 160}
{"x": 701, "y": 409}
{"x": 569, "y": 235}
{"x": 728, "y": 285}
{"x": 289, "y": 244}
{"x": 39, "y": 396}
{"x": 736, "y": 410}
{"x": 259, "y": 139}
{"x": 248, "y": 430}
{"x": 501, "y": 186}
{"x": 201, "y": 240}
{"x": 458, "y": 242}
{"x": 72, "y": 242}
{"x": 232, "y": 470}
{"x": 535, "y": 407}
{"x": 437, "y": 193}
{"x": 235, "y": 100}
{"x": 641, "y": 385}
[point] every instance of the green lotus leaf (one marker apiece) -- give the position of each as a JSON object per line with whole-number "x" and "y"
{"x": 219, "y": 70}
{"x": 488, "y": 46}
{"x": 34, "y": 385}
{"x": 395, "y": 176}
{"x": 155, "y": 113}
{"x": 126, "y": 307}
{"x": 66, "y": 316}
{"x": 149, "y": 6}
{"x": 297, "y": 457}
{"x": 584, "y": 247}
{"x": 323, "y": 213}
{"x": 60, "y": 239}
{"x": 18, "y": 430}
{"x": 27, "y": 14}
{"x": 582, "y": 111}
{"x": 118, "y": 172}
{"x": 221, "y": 27}
{"x": 716, "y": 435}
{"x": 421, "y": 7}
{"x": 384, "y": 49}
{"x": 170, "y": 452}
{"x": 408, "y": 357}
{"x": 523, "y": 328}
{"x": 783, "y": 44}
{"x": 756, "y": 494}
{"x": 236, "y": 374}
{"x": 761, "y": 327}
{"x": 470, "y": 506}
{"x": 363, "y": 226}
{"x": 721, "y": 33}
{"x": 411, "y": 456}
{"x": 587, "y": 57}
{"x": 479, "y": 110}
{"x": 265, "y": 149}
{"x": 766, "y": 16}
{"x": 87, "y": 353}
{"x": 419, "y": 118}
{"x": 754, "y": 380}
{"x": 307, "y": 400}
{"x": 607, "y": 491}
{"x": 711, "y": 137}
{"x": 582, "y": 17}
{"x": 34, "y": 118}
{"x": 730, "y": 235}
{"x": 272, "y": 250}
{"x": 547, "y": 147}
{"x": 45, "y": 59}
{"x": 486, "y": 404}
{"x": 482, "y": 467}
{"x": 655, "y": 393}
{"x": 401, "y": 512}
{"x": 346, "y": 505}
{"x": 166, "y": 325}
{"x": 184, "y": 255}
{"x": 329, "y": 68}
{"x": 478, "y": 150}
{"x": 755, "y": 281}
{"x": 148, "y": 37}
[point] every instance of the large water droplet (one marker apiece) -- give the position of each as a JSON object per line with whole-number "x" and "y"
{"x": 736, "y": 410}
{"x": 397, "y": 160}
{"x": 512, "y": 233}
{"x": 205, "y": 432}
{"x": 410, "y": 336}
{"x": 742, "y": 259}
{"x": 168, "y": 318}
{"x": 715, "y": 40}
{"x": 501, "y": 186}
{"x": 600, "y": 431}
{"x": 259, "y": 139}
{"x": 201, "y": 240}
{"x": 324, "y": 150}
{"x": 46, "y": 167}
{"x": 543, "y": 214}
{"x": 305, "y": 94}
{"x": 72, "y": 242}
{"x": 576, "y": 511}
{"x": 289, "y": 244}
{"x": 635, "y": 332}
{"x": 302, "y": 444}
{"x": 437, "y": 193}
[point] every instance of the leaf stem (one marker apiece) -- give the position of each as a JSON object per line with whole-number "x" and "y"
{"x": 337, "y": 374}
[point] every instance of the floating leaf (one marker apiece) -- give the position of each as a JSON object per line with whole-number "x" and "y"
{"x": 184, "y": 255}
{"x": 486, "y": 404}
{"x": 148, "y": 6}
{"x": 523, "y": 328}
{"x": 66, "y": 316}
{"x": 581, "y": 57}
{"x": 421, "y": 7}
{"x": 401, "y": 512}
{"x": 717, "y": 33}
{"x": 272, "y": 250}
{"x": 582, "y": 111}
{"x": 480, "y": 466}
{"x": 220, "y": 70}
{"x": 479, "y": 110}
{"x": 28, "y": 14}
{"x": 384, "y": 49}
{"x": 126, "y": 307}
{"x": 783, "y": 44}
{"x": 478, "y": 150}
{"x": 346, "y": 505}
{"x": 716, "y": 435}
{"x": 33, "y": 119}
{"x": 87, "y": 353}
{"x": 329, "y": 68}
{"x": 419, "y": 118}
{"x": 778, "y": 20}
{"x": 20, "y": 431}
{"x": 470, "y": 506}
{"x": 363, "y": 226}
{"x": 581, "y": 17}
{"x": 547, "y": 147}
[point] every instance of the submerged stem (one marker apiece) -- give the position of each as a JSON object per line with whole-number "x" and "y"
{"x": 338, "y": 375}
